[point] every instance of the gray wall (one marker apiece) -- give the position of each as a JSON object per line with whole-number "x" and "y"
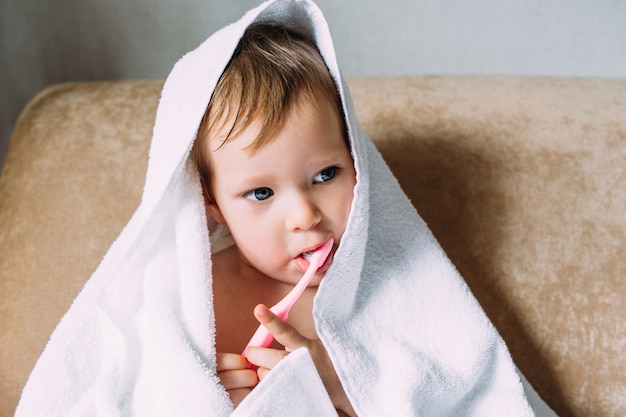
{"x": 44, "y": 42}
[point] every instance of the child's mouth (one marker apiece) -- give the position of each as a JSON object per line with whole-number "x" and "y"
{"x": 304, "y": 259}
{"x": 308, "y": 255}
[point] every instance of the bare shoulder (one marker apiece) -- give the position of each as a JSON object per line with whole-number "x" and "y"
{"x": 232, "y": 306}
{"x": 237, "y": 289}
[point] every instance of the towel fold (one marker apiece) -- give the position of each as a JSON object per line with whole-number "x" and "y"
{"x": 402, "y": 329}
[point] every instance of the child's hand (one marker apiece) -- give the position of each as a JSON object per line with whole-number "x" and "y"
{"x": 236, "y": 376}
{"x": 291, "y": 339}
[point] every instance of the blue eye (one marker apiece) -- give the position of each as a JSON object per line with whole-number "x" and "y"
{"x": 259, "y": 194}
{"x": 326, "y": 174}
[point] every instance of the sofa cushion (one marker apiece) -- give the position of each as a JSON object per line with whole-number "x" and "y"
{"x": 520, "y": 179}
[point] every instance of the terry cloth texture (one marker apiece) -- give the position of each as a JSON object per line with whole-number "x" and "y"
{"x": 402, "y": 329}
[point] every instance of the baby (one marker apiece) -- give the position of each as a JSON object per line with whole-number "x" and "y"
{"x": 387, "y": 326}
{"x": 276, "y": 168}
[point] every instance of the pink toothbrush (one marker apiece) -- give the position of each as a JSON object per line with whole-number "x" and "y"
{"x": 262, "y": 337}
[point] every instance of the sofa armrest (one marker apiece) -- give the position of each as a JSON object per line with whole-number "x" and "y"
{"x": 520, "y": 179}
{"x": 72, "y": 178}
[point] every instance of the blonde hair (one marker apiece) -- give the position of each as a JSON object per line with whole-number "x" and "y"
{"x": 270, "y": 70}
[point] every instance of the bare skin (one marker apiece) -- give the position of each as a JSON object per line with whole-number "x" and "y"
{"x": 279, "y": 202}
{"x": 235, "y": 325}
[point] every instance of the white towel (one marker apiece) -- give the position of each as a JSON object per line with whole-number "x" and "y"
{"x": 402, "y": 329}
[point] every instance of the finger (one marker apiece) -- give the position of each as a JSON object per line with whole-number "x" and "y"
{"x": 237, "y": 395}
{"x": 262, "y": 373}
{"x": 283, "y": 332}
{"x": 265, "y": 357}
{"x": 230, "y": 361}
{"x": 240, "y": 378}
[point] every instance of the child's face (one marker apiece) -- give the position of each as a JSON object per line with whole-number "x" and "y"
{"x": 289, "y": 196}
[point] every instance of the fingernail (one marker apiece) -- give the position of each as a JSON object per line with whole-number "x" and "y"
{"x": 249, "y": 365}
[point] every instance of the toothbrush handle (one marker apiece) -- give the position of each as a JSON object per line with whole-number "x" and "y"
{"x": 262, "y": 337}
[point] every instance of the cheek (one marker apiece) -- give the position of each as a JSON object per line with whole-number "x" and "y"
{"x": 347, "y": 207}
{"x": 255, "y": 236}
{"x": 349, "y": 193}
{"x": 251, "y": 246}
{"x": 246, "y": 232}
{"x": 241, "y": 227}
{"x": 344, "y": 204}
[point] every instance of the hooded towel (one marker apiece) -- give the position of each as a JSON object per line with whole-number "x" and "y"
{"x": 405, "y": 334}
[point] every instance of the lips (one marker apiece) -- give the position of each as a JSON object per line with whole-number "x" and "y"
{"x": 302, "y": 260}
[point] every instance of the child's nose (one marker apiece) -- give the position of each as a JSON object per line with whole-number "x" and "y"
{"x": 302, "y": 214}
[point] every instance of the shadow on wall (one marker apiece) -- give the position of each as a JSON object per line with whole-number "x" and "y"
{"x": 50, "y": 43}
{"x": 73, "y": 40}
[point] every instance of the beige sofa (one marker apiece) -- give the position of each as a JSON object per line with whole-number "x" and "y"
{"x": 522, "y": 180}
